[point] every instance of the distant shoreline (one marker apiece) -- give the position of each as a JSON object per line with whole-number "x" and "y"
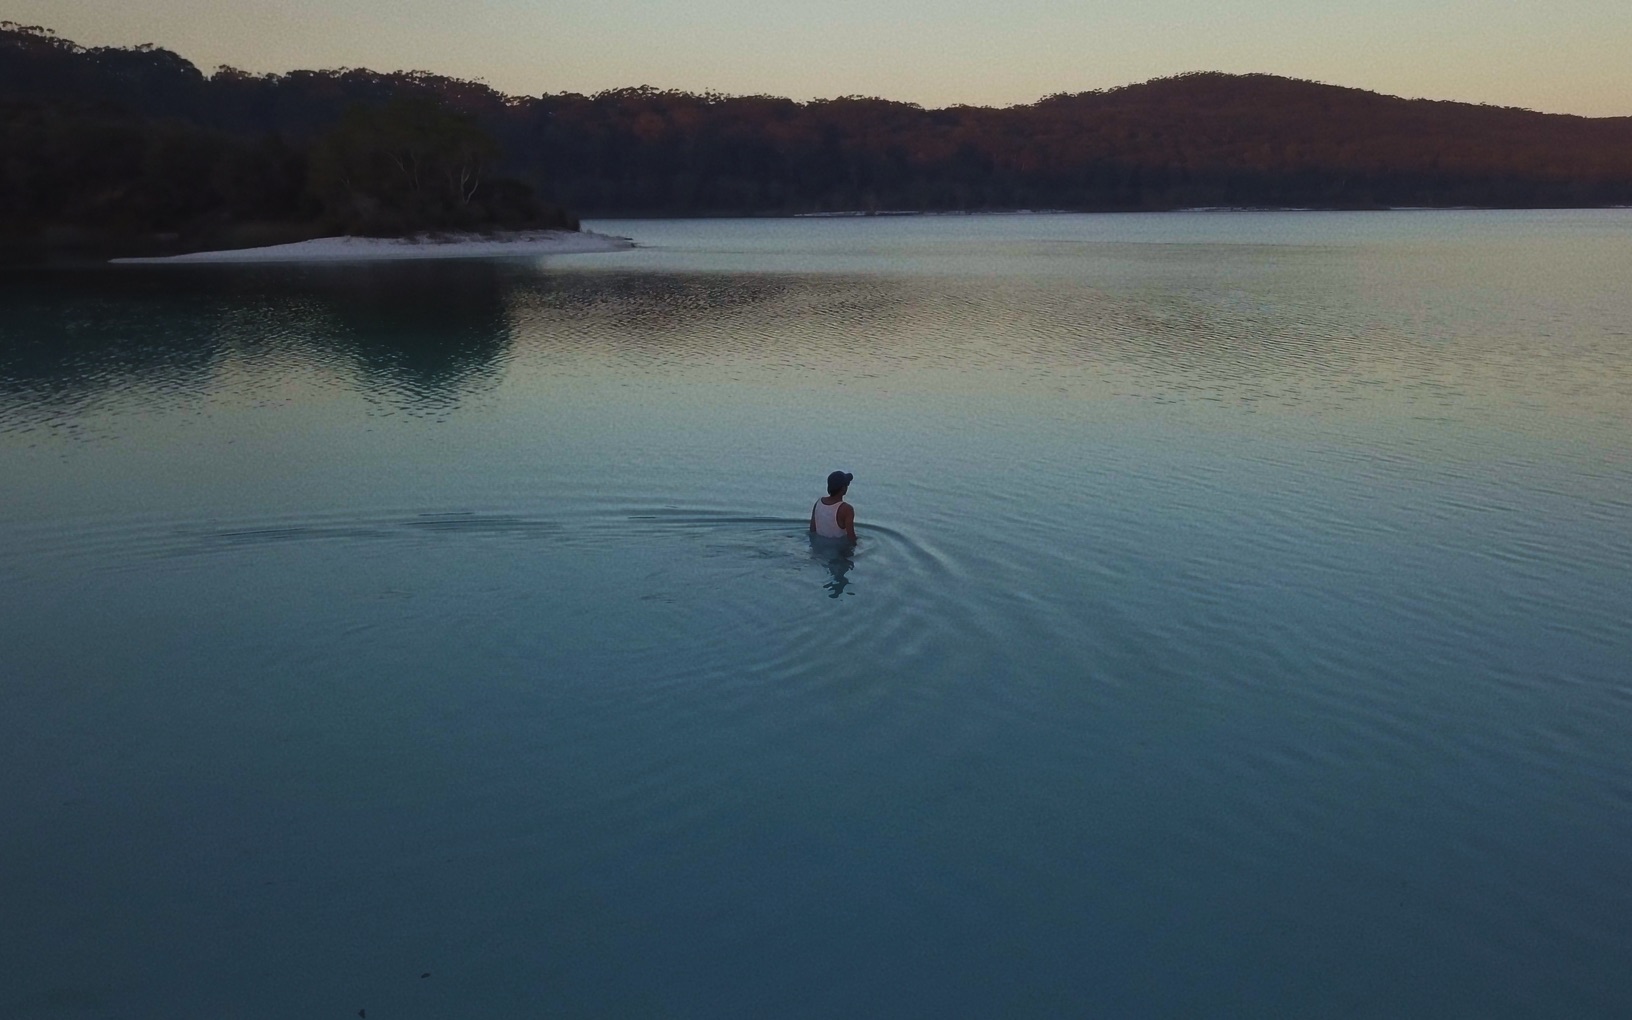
{"x": 860, "y": 214}
{"x": 516, "y": 244}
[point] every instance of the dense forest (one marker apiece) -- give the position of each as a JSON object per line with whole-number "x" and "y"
{"x": 121, "y": 150}
{"x": 137, "y": 142}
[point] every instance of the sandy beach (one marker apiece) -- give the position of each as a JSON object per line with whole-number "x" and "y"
{"x": 372, "y": 249}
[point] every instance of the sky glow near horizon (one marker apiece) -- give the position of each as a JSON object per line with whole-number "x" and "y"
{"x": 1568, "y": 56}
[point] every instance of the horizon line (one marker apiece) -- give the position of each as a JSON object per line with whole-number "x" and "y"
{"x": 717, "y": 94}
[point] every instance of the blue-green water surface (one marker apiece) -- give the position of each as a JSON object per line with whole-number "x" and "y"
{"x": 1241, "y": 625}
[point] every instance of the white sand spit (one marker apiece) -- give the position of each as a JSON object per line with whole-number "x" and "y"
{"x": 522, "y": 244}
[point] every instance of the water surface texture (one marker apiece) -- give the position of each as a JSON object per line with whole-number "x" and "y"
{"x": 1240, "y": 625}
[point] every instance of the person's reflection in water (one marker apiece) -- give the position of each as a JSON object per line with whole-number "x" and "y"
{"x": 838, "y": 556}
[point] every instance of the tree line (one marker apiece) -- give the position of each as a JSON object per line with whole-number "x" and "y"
{"x": 110, "y": 150}
{"x": 138, "y": 140}
{"x": 1205, "y": 139}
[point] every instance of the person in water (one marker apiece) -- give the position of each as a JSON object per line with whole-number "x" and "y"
{"x": 832, "y": 517}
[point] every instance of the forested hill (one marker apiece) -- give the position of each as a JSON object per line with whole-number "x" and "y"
{"x": 1204, "y": 139}
{"x": 140, "y": 137}
{"x": 134, "y": 150}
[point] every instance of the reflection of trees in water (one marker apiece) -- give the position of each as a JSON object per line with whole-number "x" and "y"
{"x": 420, "y": 335}
{"x": 67, "y": 338}
{"x": 417, "y": 336}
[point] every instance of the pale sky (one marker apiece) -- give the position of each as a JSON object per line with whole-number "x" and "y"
{"x": 1561, "y": 56}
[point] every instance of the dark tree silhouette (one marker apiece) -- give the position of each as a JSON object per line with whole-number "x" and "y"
{"x": 137, "y": 141}
{"x": 113, "y": 150}
{"x": 413, "y": 164}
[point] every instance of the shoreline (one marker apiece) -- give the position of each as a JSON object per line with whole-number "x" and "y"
{"x": 516, "y": 244}
{"x": 857, "y": 214}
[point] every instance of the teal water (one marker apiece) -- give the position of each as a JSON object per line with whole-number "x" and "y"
{"x": 1239, "y": 627}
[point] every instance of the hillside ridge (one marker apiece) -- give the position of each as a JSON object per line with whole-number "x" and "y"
{"x": 263, "y": 144}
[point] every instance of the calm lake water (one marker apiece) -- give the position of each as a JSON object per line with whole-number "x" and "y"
{"x": 1241, "y": 625}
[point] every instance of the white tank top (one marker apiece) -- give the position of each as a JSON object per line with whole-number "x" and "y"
{"x": 827, "y": 519}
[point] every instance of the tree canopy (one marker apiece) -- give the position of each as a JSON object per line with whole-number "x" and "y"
{"x": 135, "y": 149}
{"x": 139, "y": 139}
